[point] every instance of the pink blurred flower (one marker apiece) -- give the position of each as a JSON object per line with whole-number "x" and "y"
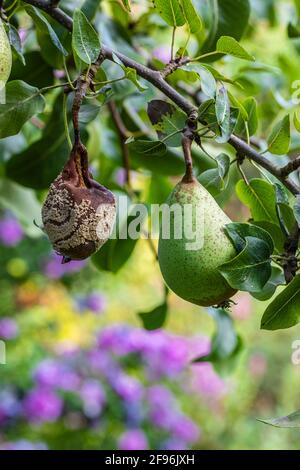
{"x": 244, "y": 306}
{"x": 59, "y": 73}
{"x": 133, "y": 439}
{"x": 257, "y": 365}
{"x": 206, "y": 381}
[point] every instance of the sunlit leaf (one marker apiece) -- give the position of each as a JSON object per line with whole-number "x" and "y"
{"x": 284, "y": 311}
{"x": 170, "y": 11}
{"x": 279, "y": 140}
{"x": 229, "y": 45}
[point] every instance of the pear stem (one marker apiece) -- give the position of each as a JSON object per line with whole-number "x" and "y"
{"x": 186, "y": 147}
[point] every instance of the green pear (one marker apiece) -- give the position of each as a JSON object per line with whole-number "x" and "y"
{"x": 5, "y": 56}
{"x": 193, "y": 273}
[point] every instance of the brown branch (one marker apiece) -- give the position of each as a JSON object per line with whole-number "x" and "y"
{"x": 290, "y": 167}
{"x": 174, "y": 65}
{"x": 83, "y": 83}
{"x": 290, "y": 267}
{"x": 123, "y": 135}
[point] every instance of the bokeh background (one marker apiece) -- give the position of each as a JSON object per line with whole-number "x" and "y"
{"x": 81, "y": 372}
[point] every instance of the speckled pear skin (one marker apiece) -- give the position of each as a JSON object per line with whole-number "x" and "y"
{"x": 194, "y": 275}
{"x": 5, "y": 56}
{"x": 78, "y": 213}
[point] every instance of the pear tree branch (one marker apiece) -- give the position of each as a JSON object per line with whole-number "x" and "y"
{"x": 157, "y": 78}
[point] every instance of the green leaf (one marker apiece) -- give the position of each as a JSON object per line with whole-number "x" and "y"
{"x": 40, "y": 163}
{"x": 237, "y": 232}
{"x": 126, "y": 4}
{"x": 293, "y": 31}
{"x": 131, "y": 75}
{"x": 251, "y": 118}
{"x": 276, "y": 279}
{"x": 290, "y": 421}
{"x": 44, "y": 27}
{"x": 223, "y": 111}
{"x": 279, "y": 140}
{"x": 229, "y": 45}
{"x": 251, "y": 269}
{"x": 166, "y": 119}
{"x": 275, "y": 232}
{"x": 15, "y": 42}
{"x": 208, "y": 82}
{"x": 229, "y": 18}
{"x": 22, "y": 102}
{"x": 193, "y": 19}
{"x": 37, "y": 72}
{"x": 284, "y": 311}
{"x": 90, "y": 8}
{"x": 296, "y": 209}
{"x": 284, "y": 211}
{"x": 23, "y": 203}
{"x": 296, "y": 122}
{"x": 116, "y": 251}
{"x": 155, "y": 318}
{"x": 214, "y": 179}
{"x": 259, "y": 196}
{"x": 85, "y": 40}
{"x": 148, "y": 147}
{"x": 226, "y": 344}
{"x": 170, "y": 11}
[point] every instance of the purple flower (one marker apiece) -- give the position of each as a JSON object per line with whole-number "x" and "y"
{"x": 8, "y": 328}
{"x": 94, "y": 302}
{"x": 128, "y": 388}
{"x": 133, "y": 439}
{"x": 51, "y": 373}
{"x": 120, "y": 176}
{"x": 185, "y": 429}
{"x": 101, "y": 362}
{"x": 166, "y": 355}
{"x": 11, "y": 232}
{"x": 9, "y": 404}
{"x": 174, "y": 444}
{"x": 23, "y": 444}
{"x": 42, "y": 405}
{"x": 116, "y": 339}
{"x": 23, "y": 35}
{"x": 54, "y": 269}
{"x": 93, "y": 397}
{"x": 162, "y": 406}
{"x": 47, "y": 373}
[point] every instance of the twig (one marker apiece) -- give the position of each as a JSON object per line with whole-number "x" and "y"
{"x": 290, "y": 167}
{"x": 290, "y": 267}
{"x": 123, "y": 135}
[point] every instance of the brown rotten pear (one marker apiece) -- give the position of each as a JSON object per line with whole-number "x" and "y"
{"x": 79, "y": 213}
